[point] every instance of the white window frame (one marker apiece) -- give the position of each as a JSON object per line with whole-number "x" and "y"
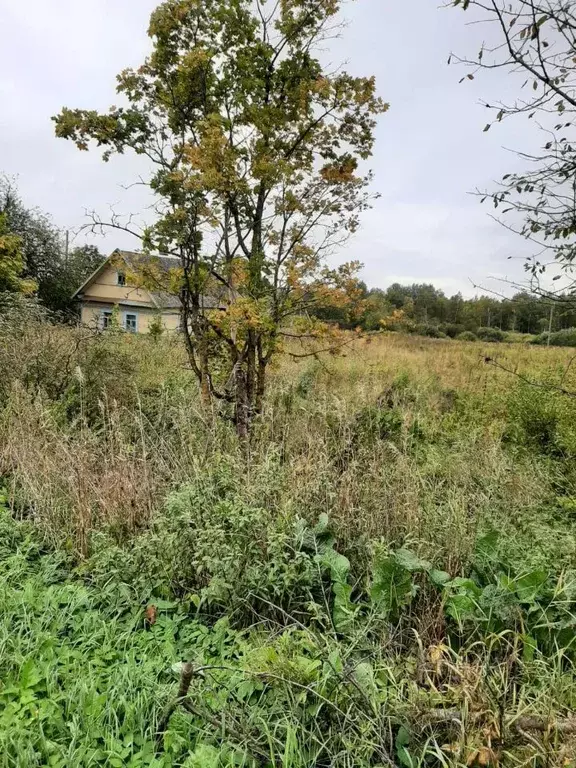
{"x": 125, "y": 316}
{"x": 105, "y": 318}
{"x": 121, "y": 278}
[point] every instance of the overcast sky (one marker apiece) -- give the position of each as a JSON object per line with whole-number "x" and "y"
{"x": 431, "y": 151}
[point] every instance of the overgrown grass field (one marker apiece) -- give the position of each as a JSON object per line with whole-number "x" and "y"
{"x": 387, "y": 580}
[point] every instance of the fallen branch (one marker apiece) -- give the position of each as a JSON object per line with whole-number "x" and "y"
{"x": 565, "y": 726}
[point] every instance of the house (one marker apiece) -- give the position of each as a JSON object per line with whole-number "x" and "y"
{"x": 108, "y": 287}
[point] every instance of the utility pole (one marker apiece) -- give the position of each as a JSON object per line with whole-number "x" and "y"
{"x": 67, "y": 247}
{"x": 550, "y": 324}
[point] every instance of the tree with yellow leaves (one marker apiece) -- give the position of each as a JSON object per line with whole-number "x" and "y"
{"x": 12, "y": 262}
{"x": 256, "y": 152}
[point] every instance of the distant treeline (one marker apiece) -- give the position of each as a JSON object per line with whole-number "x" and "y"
{"x": 421, "y": 307}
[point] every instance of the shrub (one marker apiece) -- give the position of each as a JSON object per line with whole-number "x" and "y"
{"x": 69, "y": 366}
{"x": 541, "y": 339}
{"x": 33, "y": 349}
{"x": 430, "y": 330}
{"x": 156, "y": 327}
{"x": 564, "y": 338}
{"x": 308, "y": 379}
{"x": 452, "y": 329}
{"x": 514, "y": 337}
{"x": 467, "y": 336}
{"x": 541, "y": 419}
{"x": 225, "y": 555}
{"x": 376, "y": 423}
{"x": 491, "y": 334}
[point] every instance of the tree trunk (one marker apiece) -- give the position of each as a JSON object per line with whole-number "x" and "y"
{"x": 260, "y": 378}
{"x": 242, "y": 414}
{"x": 251, "y": 368}
{"x": 204, "y": 380}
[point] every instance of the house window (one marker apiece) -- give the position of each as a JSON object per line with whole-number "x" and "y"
{"x": 106, "y": 318}
{"x": 121, "y": 278}
{"x": 131, "y": 322}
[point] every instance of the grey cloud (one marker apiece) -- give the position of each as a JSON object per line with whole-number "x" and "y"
{"x": 431, "y": 151}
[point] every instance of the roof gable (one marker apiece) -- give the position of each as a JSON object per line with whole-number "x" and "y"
{"x": 130, "y": 258}
{"x": 160, "y": 299}
{"x": 93, "y": 276}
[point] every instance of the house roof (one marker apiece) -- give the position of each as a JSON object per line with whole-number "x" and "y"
{"x": 161, "y": 299}
{"x": 134, "y": 259}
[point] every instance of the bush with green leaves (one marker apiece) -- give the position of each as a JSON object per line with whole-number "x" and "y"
{"x": 222, "y": 553}
{"x": 564, "y": 338}
{"x": 341, "y": 696}
{"x": 541, "y": 339}
{"x": 430, "y": 330}
{"x": 490, "y": 334}
{"x": 376, "y": 423}
{"x": 156, "y": 327}
{"x": 452, "y": 329}
{"x": 541, "y": 419}
{"x": 74, "y": 368}
{"x": 467, "y": 336}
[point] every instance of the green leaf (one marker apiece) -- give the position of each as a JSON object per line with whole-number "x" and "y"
{"x": 163, "y": 605}
{"x": 344, "y": 610}
{"x": 401, "y": 743}
{"x": 530, "y": 585}
{"x": 529, "y": 648}
{"x": 405, "y": 757}
{"x": 403, "y": 737}
{"x": 504, "y": 581}
{"x": 338, "y": 565}
{"x": 439, "y": 578}
{"x": 465, "y": 586}
{"x": 364, "y": 677}
{"x": 335, "y": 661}
{"x": 392, "y": 585}
{"x": 487, "y": 544}
{"x": 407, "y": 559}
{"x": 322, "y": 525}
{"x": 460, "y": 607}
{"x": 29, "y": 675}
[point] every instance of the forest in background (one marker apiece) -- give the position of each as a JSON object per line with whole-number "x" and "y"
{"x": 421, "y": 307}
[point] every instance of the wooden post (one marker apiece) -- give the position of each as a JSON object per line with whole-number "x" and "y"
{"x": 550, "y": 324}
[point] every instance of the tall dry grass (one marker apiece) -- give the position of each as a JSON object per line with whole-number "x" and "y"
{"x": 402, "y": 439}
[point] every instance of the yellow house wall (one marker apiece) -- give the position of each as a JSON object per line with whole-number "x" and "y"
{"x": 91, "y": 314}
{"x": 105, "y": 288}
